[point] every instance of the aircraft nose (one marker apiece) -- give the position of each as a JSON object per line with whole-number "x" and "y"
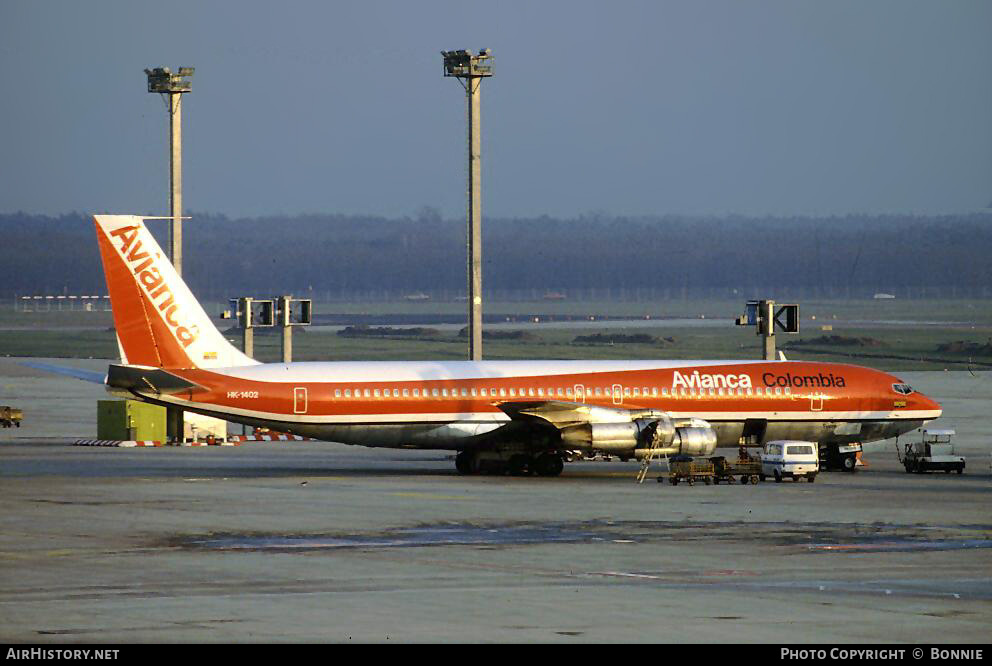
{"x": 928, "y": 404}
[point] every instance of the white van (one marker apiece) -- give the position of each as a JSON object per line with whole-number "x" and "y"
{"x": 789, "y": 457}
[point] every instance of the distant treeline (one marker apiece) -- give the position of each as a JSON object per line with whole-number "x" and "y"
{"x": 336, "y": 255}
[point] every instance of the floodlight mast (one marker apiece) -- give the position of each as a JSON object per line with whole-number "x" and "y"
{"x": 171, "y": 87}
{"x": 470, "y": 69}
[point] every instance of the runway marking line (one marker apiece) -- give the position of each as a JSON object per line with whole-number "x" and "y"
{"x": 431, "y": 496}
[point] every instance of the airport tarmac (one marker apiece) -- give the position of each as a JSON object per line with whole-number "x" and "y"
{"x": 310, "y": 541}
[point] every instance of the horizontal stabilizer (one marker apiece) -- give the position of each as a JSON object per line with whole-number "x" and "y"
{"x": 78, "y": 373}
{"x": 130, "y": 377}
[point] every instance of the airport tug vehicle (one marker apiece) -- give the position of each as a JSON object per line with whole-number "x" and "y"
{"x": 933, "y": 452}
{"x": 839, "y": 457}
{"x": 10, "y": 416}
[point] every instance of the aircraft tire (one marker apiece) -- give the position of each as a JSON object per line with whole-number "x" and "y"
{"x": 549, "y": 464}
{"x": 463, "y": 462}
{"x": 520, "y": 465}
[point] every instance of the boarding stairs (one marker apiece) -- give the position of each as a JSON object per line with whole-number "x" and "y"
{"x": 646, "y": 463}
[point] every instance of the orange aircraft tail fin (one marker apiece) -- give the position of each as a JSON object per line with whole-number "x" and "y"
{"x": 158, "y": 320}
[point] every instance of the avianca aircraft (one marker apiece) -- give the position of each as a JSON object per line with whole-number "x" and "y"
{"x": 518, "y": 415}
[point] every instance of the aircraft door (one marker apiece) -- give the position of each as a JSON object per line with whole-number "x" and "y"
{"x": 753, "y": 433}
{"x": 580, "y": 392}
{"x": 617, "y": 394}
{"x": 300, "y": 400}
{"x": 816, "y": 402}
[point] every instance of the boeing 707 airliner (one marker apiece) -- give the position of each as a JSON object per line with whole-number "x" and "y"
{"x": 523, "y": 416}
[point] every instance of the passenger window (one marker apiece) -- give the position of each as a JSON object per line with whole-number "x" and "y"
{"x": 482, "y": 392}
{"x": 376, "y": 392}
{"x": 475, "y": 392}
{"x": 502, "y": 392}
{"x": 434, "y": 392}
{"x": 347, "y": 393}
{"x": 406, "y": 393}
{"x": 464, "y": 393}
{"x": 568, "y": 393}
{"x": 444, "y": 392}
{"x": 337, "y": 393}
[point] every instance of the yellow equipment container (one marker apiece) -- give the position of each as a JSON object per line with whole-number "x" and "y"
{"x": 125, "y": 420}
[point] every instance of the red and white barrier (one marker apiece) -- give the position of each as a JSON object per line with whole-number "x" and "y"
{"x": 127, "y": 444}
{"x": 269, "y": 438}
{"x": 147, "y": 443}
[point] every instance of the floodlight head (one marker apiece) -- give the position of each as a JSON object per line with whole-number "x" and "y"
{"x": 464, "y": 64}
{"x": 162, "y": 80}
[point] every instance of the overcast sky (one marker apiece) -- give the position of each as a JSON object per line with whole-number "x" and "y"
{"x": 687, "y": 107}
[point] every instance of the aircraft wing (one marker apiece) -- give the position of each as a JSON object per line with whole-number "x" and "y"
{"x": 562, "y": 414}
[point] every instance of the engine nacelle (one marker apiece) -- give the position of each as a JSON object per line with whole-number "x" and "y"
{"x": 656, "y": 435}
{"x": 609, "y": 437}
{"x": 693, "y": 441}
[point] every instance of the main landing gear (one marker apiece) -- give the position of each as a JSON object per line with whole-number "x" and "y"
{"x": 516, "y": 464}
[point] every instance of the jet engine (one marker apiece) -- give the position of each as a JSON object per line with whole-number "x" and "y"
{"x": 656, "y": 435}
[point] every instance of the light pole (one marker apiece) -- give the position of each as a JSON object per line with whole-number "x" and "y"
{"x": 470, "y": 69}
{"x": 171, "y": 87}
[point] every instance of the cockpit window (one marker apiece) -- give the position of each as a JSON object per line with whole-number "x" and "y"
{"x": 905, "y": 389}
